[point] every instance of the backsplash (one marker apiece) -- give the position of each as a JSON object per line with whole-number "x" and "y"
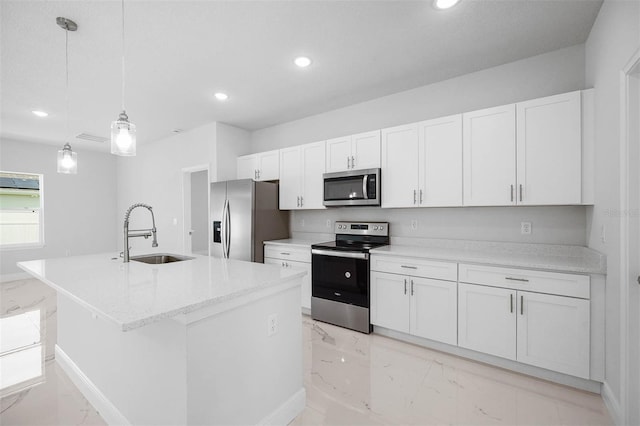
{"x": 549, "y": 224}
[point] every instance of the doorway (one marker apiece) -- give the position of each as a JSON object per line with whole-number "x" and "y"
{"x": 630, "y": 239}
{"x": 196, "y": 209}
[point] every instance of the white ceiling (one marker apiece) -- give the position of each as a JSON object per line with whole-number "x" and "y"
{"x": 179, "y": 53}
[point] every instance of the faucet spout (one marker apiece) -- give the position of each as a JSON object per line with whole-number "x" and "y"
{"x": 146, "y": 233}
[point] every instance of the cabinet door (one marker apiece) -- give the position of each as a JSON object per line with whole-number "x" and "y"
{"x": 365, "y": 150}
{"x": 290, "y": 176}
{"x": 553, "y": 333}
{"x": 269, "y": 165}
{"x": 400, "y": 166}
{"x": 313, "y": 164}
{"x": 390, "y": 301}
{"x": 247, "y": 166}
{"x": 550, "y": 150}
{"x": 489, "y": 156}
{"x": 487, "y": 320}
{"x": 440, "y": 154}
{"x": 338, "y": 154}
{"x": 434, "y": 309}
{"x": 305, "y": 301}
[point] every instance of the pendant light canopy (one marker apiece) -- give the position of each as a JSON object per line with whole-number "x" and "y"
{"x": 67, "y": 159}
{"x": 123, "y": 132}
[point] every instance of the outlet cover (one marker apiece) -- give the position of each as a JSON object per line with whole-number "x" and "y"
{"x": 525, "y": 228}
{"x": 414, "y": 225}
{"x": 328, "y": 223}
{"x": 272, "y": 324}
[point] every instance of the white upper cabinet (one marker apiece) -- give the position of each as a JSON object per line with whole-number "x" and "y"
{"x": 301, "y": 170}
{"x": 440, "y": 162}
{"x": 549, "y": 142}
{"x": 400, "y": 166}
{"x": 489, "y": 156}
{"x": 261, "y": 166}
{"x": 361, "y": 151}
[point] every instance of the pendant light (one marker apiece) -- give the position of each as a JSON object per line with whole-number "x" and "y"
{"x": 67, "y": 159}
{"x": 123, "y": 132}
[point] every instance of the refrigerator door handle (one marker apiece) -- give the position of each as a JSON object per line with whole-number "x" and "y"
{"x": 228, "y": 232}
{"x": 223, "y": 227}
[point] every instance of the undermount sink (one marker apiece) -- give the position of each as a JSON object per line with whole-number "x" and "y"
{"x": 157, "y": 259}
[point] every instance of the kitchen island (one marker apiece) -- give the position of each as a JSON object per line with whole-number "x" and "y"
{"x": 200, "y": 341}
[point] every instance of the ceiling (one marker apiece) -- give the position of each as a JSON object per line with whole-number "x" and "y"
{"x": 179, "y": 53}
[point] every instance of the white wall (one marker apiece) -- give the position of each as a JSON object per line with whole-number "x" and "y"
{"x": 154, "y": 176}
{"x": 555, "y": 72}
{"x": 79, "y": 210}
{"x": 614, "y": 38}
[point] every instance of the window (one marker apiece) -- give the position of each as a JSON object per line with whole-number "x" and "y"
{"x": 20, "y": 210}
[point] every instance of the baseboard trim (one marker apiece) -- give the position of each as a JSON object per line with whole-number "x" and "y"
{"x": 612, "y": 404}
{"x": 107, "y": 410}
{"x": 288, "y": 411}
{"x": 5, "y": 278}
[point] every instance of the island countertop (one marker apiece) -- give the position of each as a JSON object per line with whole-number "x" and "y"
{"x": 135, "y": 294}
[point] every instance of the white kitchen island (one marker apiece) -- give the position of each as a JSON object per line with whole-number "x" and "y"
{"x": 202, "y": 341}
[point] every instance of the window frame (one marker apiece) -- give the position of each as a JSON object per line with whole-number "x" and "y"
{"x": 41, "y": 242}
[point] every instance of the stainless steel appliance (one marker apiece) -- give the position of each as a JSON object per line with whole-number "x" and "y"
{"x": 245, "y": 214}
{"x": 352, "y": 188}
{"x": 340, "y": 274}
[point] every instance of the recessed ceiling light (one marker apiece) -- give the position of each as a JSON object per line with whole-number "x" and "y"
{"x": 221, "y": 96}
{"x": 40, "y": 113}
{"x": 302, "y": 61}
{"x": 444, "y": 4}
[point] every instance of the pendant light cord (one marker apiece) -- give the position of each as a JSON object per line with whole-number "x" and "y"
{"x": 66, "y": 64}
{"x": 122, "y": 55}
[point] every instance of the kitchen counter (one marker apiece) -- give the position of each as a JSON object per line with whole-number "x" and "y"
{"x": 134, "y": 294}
{"x": 548, "y": 257}
{"x": 191, "y": 342}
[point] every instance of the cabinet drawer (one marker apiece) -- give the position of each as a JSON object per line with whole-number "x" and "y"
{"x": 415, "y": 267}
{"x": 572, "y": 285}
{"x": 286, "y": 252}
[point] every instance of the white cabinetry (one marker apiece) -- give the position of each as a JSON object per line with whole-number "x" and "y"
{"x": 288, "y": 256}
{"x": 415, "y": 296}
{"x": 509, "y": 313}
{"x": 361, "y": 151}
{"x": 301, "y": 169}
{"x": 422, "y": 164}
{"x": 529, "y": 153}
{"x": 261, "y": 166}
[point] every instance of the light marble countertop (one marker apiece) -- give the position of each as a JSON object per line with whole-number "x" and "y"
{"x": 304, "y": 240}
{"x": 551, "y": 257}
{"x": 135, "y": 294}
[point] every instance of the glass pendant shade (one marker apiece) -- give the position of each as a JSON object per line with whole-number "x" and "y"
{"x": 67, "y": 160}
{"x": 123, "y": 136}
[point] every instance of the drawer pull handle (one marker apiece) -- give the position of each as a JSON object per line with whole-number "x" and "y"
{"x": 285, "y": 254}
{"x": 521, "y": 305}
{"x": 412, "y": 287}
{"x": 408, "y": 267}
{"x": 511, "y": 303}
{"x": 524, "y": 280}
{"x": 405, "y": 286}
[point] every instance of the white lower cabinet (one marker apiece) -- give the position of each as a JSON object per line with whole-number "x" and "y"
{"x": 545, "y": 330}
{"x": 281, "y": 254}
{"x": 419, "y": 306}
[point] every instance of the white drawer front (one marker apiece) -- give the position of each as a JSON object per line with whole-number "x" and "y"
{"x": 572, "y": 285}
{"x": 415, "y": 267}
{"x": 286, "y": 252}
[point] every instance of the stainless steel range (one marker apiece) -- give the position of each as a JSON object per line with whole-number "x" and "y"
{"x": 340, "y": 274}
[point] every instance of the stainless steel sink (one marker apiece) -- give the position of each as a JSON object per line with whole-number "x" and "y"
{"x": 160, "y": 258}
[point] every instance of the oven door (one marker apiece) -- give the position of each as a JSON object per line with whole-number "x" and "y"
{"x": 352, "y": 188}
{"x": 340, "y": 276}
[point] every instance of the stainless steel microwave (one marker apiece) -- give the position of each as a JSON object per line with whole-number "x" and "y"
{"x": 352, "y": 188}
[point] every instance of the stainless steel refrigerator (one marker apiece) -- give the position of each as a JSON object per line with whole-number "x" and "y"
{"x": 244, "y": 214}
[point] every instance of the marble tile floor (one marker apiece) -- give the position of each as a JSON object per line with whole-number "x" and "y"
{"x": 350, "y": 379}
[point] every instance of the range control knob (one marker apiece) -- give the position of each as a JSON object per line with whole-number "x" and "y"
{"x": 375, "y": 228}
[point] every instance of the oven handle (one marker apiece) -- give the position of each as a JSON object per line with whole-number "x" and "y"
{"x": 365, "y": 178}
{"x": 333, "y": 253}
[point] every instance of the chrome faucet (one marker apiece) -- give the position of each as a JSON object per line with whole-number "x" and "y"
{"x": 146, "y": 233}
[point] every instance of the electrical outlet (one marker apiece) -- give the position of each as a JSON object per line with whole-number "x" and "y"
{"x": 272, "y": 324}
{"x": 328, "y": 223}
{"x": 525, "y": 228}
{"x": 414, "y": 225}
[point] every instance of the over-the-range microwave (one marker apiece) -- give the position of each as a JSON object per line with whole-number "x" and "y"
{"x": 352, "y": 188}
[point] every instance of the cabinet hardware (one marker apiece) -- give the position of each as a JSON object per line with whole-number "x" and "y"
{"x": 520, "y": 192}
{"x": 405, "y": 286}
{"x": 353, "y": 162}
{"x": 282, "y": 264}
{"x": 301, "y": 201}
{"x": 285, "y": 253}
{"x": 421, "y": 196}
{"x": 524, "y": 280}
{"x": 414, "y": 196}
{"x": 258, "y": 173}
{"x": 255, "y": 174}
{"x": 412, "y": 287}
{"x": 298, "y": 201}
{"x": 511, "y": 303}
{"x": 512, "y": 193}
{"x": 521, "y": 305}
{"x": 408, "y": 267}
{"x": 348, "y": 165}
